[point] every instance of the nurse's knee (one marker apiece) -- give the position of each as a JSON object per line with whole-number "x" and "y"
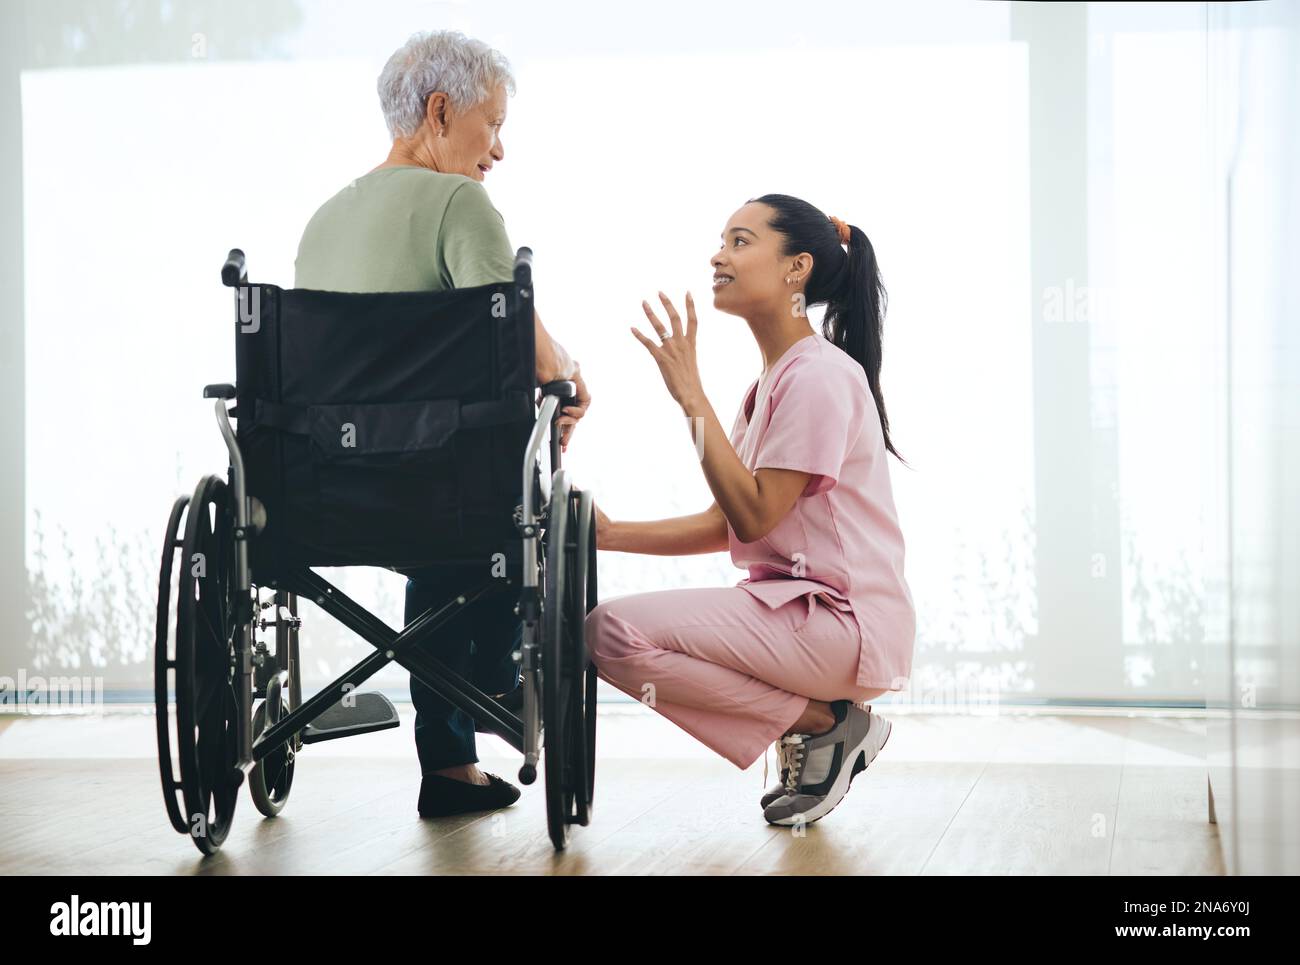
{"x": 607, "y": 635}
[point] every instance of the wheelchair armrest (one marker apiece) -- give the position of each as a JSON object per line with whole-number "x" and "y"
{"x": 524, "y": 267}
{"x": 219, "y": 390}
{"x": 564, "y": 388}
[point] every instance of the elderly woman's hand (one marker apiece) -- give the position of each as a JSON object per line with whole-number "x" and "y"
{"x": 572, "y": 413}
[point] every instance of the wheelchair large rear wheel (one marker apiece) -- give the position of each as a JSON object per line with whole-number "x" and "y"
{"x": 196, "y": 662}
{"x": 568, "y": 705}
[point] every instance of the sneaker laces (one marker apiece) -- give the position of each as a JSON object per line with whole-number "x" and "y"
{"x": 793, "y": 758}
{"x": 782, "y": 756}
{"x": 781, "y": 760}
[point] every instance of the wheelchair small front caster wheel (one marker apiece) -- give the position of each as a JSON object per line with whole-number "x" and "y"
{"x": 271, "y": 778}
{"x": 527, "y": 774}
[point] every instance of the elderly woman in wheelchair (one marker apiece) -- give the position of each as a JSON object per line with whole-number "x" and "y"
{"x": 385, "y": 415}
{"x": 422, "y": 221}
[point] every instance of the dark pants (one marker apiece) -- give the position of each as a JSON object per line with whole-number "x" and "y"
{"x": 477, "y": 643}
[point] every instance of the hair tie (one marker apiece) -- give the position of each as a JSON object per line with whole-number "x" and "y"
{"x": 842, "y": 228}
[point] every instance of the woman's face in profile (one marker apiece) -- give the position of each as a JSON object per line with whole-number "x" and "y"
{"x": 747, "y": 269}
{"x": 472, "y": 141}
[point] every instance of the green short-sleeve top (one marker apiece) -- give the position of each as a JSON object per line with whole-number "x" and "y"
{"x": 405, "y": 229}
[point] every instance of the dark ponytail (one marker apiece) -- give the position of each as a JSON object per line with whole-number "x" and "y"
{"x": 848, "y": 284}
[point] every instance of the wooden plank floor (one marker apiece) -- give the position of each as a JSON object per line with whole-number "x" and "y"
{"x": 1011, "y": 793}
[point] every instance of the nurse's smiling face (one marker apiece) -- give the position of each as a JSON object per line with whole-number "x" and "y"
{"x": 749, "y": 270}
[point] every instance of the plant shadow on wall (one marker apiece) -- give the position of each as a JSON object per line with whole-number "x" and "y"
{"x": 1169, "y": 611}
{"x": 96, "y": 613}
{"x": 977, "y": 624}
{"x": 976, "y": 621}
{"x": 92, "y": 618}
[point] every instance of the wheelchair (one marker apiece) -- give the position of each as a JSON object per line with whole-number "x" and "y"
{"x": 388, "y": 430}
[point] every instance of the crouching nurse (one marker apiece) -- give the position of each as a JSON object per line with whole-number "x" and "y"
{"x": 824, "y": 620}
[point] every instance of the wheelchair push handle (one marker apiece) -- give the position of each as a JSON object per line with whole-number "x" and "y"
{"x": 234, "y": 271}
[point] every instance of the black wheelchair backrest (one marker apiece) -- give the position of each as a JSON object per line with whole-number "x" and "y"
{"x": 383, "y": 429}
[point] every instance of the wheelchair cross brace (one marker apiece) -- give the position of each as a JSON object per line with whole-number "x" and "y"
{"x": 390, "y": 646}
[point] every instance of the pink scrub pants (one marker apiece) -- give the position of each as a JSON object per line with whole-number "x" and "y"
{"x": 723, "y": 666}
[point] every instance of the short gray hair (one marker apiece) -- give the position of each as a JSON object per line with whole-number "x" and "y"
{"x": 466, "y": 70}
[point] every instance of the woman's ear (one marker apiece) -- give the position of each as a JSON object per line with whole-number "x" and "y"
{"x": 435, "y": 113}
{"x": 801, "y": 265}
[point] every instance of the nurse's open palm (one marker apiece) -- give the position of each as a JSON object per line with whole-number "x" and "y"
{"x": 675, "y": 353}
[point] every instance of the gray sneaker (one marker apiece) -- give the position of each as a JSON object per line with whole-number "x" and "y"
{"x": 822, "y": 766}
{"x": 778, "y": 789}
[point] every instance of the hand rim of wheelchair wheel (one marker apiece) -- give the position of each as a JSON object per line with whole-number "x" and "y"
{"x": 583, "y": 601}
{"x": 564, "y": 723}
{"x": 205, "y": 704}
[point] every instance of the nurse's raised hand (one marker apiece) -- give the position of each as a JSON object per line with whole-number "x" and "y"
{"x": 675, "y": 353}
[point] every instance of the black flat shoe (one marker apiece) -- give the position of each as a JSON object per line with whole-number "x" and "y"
{"x": 441, "y": 796}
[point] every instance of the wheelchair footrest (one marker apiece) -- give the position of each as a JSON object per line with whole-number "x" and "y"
{"x": 361, "y": 714}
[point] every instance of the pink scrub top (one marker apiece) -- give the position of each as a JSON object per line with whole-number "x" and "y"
{"x": 841, "y": 542}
